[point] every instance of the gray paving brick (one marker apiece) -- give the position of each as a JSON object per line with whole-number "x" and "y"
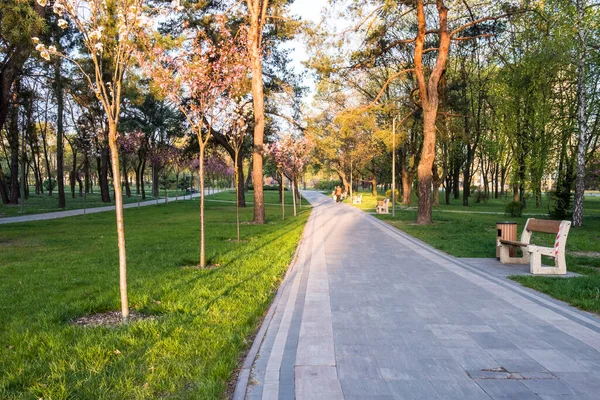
{"x": 506, "y": 389}
{"x": 384, "y": 317}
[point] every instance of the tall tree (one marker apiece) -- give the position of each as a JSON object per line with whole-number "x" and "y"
{"x": 257, "y": 10}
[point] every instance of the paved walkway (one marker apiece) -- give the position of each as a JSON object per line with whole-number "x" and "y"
{"x": 367, "y": 312}
{"x": 94, "y": 210}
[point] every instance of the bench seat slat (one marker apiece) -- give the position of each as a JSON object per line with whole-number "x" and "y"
{"x": 513, "y": 243}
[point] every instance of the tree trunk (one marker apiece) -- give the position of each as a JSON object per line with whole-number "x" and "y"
{"x": 103, "y": 175}
{"x": 581, "y": 117}
{"x": 201, "y": 175}
{"x": 255, "y": 45}
{"x": 374, "y": 187}
{"x": 126, "y": 177}
{"x": 437, "y": 182}
{"x": 241, "y": 197}
{"x": 407, "y": 178}
{"x": 143, "y": 187}
{"x": 114, "y": 152}
{"x": 12, "y": 134}
{"x": 60, "y": 173}
{"x": 429, "y": 96}
{"x": 73, "y": 176}
{"x": 425, "y": 166}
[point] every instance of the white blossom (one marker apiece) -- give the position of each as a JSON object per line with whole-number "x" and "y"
{"x": 40, "y": 47}
{"x": 52, "y": 49}
{"x": 63, "y": 23}
{"x": 99, "y": 47}
{"x": 42, "y": 2}
{"x": 35, "y": 40}
{"x": 45, "y": 55}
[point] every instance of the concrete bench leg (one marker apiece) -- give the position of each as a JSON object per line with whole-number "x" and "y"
{"x": 505, "y": 257}
{"x": 536, "y": 267}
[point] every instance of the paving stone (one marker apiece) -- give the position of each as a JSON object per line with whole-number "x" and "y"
{"x": 382, "y": 316}
{"x": 506, "y": 389}
{"x": 415, "y": 389}
{"x": 548, "y": 386}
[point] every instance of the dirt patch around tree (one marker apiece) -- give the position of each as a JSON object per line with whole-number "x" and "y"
{"x": 109, "y": 318}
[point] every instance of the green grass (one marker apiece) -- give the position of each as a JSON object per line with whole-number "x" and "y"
{"x": 37, "y": 204}
{"x": 54, "y": 271}
{"x": 471, "y": 232}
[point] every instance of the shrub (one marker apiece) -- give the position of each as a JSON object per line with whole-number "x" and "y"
{"x": 559, "y": 204}
{"x": 482, "y": 196}
{"x": 514, "y": 209}
{"x": 50, "y": 184}
{"x": 388, "y": 194}
{"x": 327, "y": 185}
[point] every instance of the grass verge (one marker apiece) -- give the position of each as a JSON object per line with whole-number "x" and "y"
{"x": 55, "y": 271}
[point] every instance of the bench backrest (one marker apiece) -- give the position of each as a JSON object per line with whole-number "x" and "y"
{"x": 543, "y": 225}
{"x": 560, "y": 228}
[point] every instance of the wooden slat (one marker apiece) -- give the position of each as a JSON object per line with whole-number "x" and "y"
{"x": 543, "y": 225}
{"x": 513, "y": 243}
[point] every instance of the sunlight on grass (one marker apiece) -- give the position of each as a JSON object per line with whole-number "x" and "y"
{"x": 54, "y": 271}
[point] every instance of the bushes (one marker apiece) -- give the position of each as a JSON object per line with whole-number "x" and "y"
{"x": 327, "y": 185}
{"x": 514, "y": 209}
{"x": 268, "y": 187}
{"x": 559, "y": 204}
{"x": 482, "y": 196}
{"x": 388, "y": 194}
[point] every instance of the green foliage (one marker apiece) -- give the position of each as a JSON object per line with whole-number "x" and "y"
{"x": 514, "y": 209}
{"x": 388, "y": 194}
{"x": 203, "y": 320}
{"x": 481, "y": 196}
{"x": 50, "y": 184}
{"x": 559, "y": 203}
{"x": 327, "y": 185}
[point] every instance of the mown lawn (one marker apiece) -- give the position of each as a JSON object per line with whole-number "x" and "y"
{"x": 54, "y": 271}
{"x": 471, "y": 232}
{"x": 37, "y": 204}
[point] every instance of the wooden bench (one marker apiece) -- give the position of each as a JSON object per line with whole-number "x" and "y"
{"x": 357, "y": 199}
{"x": 382, "y": 206}
{"x": 532, "y": 253}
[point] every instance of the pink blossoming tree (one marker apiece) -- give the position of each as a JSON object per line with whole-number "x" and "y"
{"x": 195, "y": 76}
{"x": 109, "y": 31}
{"x": 291, "y": 155}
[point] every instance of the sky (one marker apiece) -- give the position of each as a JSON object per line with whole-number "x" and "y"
{"x": 307, "y": 10}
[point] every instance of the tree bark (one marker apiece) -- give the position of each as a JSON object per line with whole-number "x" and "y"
{"x": 60, "y": 103}
{"x": 429, "y": 96}
{"x": 257, "y": 10}
{"x": 114, "y": 153}
{"x": 103, "y": 175}
{"x": 407, "y": 178}
{"x": 13, "y": 140}
{"x": 582, "y": 138}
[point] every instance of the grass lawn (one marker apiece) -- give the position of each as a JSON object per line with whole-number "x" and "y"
{"x": 471, "y": 232}
{"x": 38, "y": 204}
{"x": 203, "y": 320}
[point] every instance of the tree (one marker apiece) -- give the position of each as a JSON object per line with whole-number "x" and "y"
{"x": 195, "y": 79}
{"x": 257, "y": 10}
{"x": 109, "y": 33}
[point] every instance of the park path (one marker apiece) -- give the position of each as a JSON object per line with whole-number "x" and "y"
{"x": 368, "y": 312}
{"x": 94, "y": 210}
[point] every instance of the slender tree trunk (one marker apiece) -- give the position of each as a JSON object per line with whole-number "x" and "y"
{"x": 240, "y": 181}
{"x": 425, "y": 167}
{"x": 142, "y": 172}
{"x": 103, "y": 175}
{"x": 201, "y": 175}
{"x": 293, "y": 195}
{"x": 126, "y": 178}
{"x": 581, "y": 117}
{"x": 73, "y": 176}
{"x": 3, "y": 187}
{"x": 437, "y": 182}
{"x": 237, "y": 196}
{"x": 374, "y": 187}
{"x": 407, "y": 178}
{"x": 282, "y": 197}
{"x": 114, "y": 152}
{"x": 60, "y": 173}
{"x": 13, "y": 141}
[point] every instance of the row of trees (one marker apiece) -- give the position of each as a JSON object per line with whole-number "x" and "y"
{"x": 496, "y": 90}
{"x": 132, "y": 84}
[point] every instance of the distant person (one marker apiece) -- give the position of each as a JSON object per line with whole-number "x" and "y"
{"x": 338, "y": 194}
